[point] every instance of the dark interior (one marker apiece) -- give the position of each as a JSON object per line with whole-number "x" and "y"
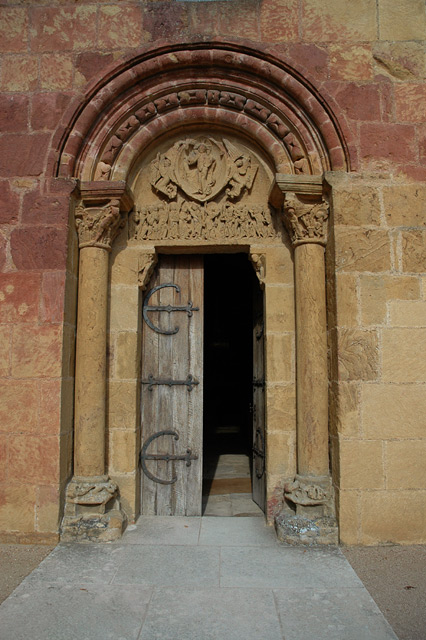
{"x": 228, "y": 358}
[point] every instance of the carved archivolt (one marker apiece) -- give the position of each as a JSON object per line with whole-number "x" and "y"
{"x": 209, "y": 97}
{"x": 306, "y": 222}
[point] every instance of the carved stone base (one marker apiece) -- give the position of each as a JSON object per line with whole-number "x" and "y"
{"x": 308, "y": 515}
{"x": 92, "y": 511}
{"x": 298, "y": 530}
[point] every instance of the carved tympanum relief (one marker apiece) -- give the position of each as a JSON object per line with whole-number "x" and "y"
{"x": 203, "y": 188}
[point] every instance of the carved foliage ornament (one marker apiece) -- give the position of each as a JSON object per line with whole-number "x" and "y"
{"x": 306, "y": 222}
{"x": 202, "y": 168}
{"x": 98, "y": 226}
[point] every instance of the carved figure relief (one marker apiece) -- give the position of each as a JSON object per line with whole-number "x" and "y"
{"x": 202, "y": 168}
{"x": 306, "y": 222}
{"x": 211, "y": 221}
{"x": 98, "y": 226}
{"x": 201, "y": 184}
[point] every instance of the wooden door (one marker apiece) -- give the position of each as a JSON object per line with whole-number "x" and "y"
{"x": 258, "y": 468}
{"x": 172, "y": 388}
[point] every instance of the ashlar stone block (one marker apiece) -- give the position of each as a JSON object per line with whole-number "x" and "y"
{"x": 414, "y": 251}
{"x": 376, "y": 291}
{"x": 407, "y": 313}
{"x": 402, "y": 20}
{"x": 405, "y": 464}
{"x": 362, "y": 249}
{"x": 358, "y": 354}
{"x": 400, "y": 355}
{"x": 393, "y": 411}
{"x": 361, "y": 464}
{"x": 393, "y": 516}
{"x": 404, "y": 205}
{"x": 357, "y": 206}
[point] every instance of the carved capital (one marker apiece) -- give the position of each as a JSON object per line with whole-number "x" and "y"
{"x": 305, "y": 221}
{"x": 98, "y": 226}
{"x": 307, "y": 491}
{"x": 101, "y": 212}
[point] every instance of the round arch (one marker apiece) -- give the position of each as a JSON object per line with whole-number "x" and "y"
{"x": 218, "y": 83}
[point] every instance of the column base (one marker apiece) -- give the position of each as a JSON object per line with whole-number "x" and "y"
{"x": 298, "y": 530}
{"x": 92, "y": 511}
{"x": 308, "y": 515}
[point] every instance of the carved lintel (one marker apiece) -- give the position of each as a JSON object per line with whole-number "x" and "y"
{"x": 258, "y": 261}
{"x": 308, "y": 491}
{"x": 147, "y": 262}
{"x": 101, "y": 212}
{"x": 305, "y": 221}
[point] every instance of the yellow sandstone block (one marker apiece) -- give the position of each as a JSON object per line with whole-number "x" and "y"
{"x": 404, "y": 205}
{"x": 402, "y": 20}
{"x": 393, "y": 411}
{"x": 279, "y": 308}
{"x": 407, "y": 313}
{"x": 403, "y": 355}
{"x": 406, "y": 464}
{"x": 361, "y": 464}
{"x": 393, "y": 516}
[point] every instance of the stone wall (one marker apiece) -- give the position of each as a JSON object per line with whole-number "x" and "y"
{"x": 378, "y": 375}
{"x": 367, "y": 60}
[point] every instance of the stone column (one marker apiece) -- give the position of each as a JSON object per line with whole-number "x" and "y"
{"x": 92, "y": 507}
{"x": 308, "y": 515}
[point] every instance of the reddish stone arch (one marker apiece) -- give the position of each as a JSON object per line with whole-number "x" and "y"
{"x": 225, "y": 84}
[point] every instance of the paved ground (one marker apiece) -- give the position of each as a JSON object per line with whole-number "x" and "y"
{"x": 186, "y": 578}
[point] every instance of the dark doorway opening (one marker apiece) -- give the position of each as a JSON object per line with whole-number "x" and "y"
{"x": 228, "y": 385}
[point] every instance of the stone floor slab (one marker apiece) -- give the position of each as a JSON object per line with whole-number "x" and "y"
{"x": 283, "y": 566}
{"x": 236, "y": 532}
{"x": 331, "y": 615}
{"x": 46, "y": 611}
{"x": 76, "y": 562}
{"x": 169, "y": 566}
{"x": 163, "y": 530}
{"x": 212, "y": 614}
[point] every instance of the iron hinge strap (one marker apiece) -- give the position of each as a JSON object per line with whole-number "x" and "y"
{"x": 190, "y": 382}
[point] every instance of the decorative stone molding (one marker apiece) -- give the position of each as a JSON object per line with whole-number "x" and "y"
{"x": 306, "y": 222}
{"x": 147, "y": 262}
{"x": 101, "y": 213}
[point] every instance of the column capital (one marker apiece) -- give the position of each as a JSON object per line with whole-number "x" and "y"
{"x": 306, "y": 221}
{"x": 101, "y": 212}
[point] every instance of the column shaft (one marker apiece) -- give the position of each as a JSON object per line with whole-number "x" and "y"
{"x": 311, "y": 355}
{"x": 90, "y": 376}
